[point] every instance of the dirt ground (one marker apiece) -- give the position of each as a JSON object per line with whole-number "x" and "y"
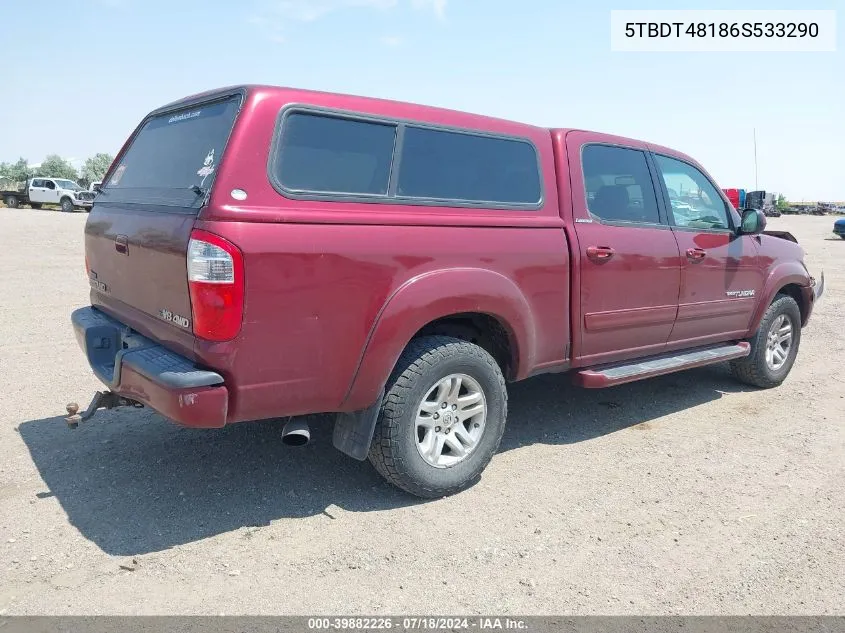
{"x": 684, "y": 494}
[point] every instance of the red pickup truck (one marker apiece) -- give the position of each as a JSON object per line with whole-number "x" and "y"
{"x": 260, "y": 252}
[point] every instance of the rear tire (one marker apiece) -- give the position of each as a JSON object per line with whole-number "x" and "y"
{"x": 11, "y": 202}
{"x": 443, "y": 392}
{"x": 772, "y": 354}
{"x": 35, "y": 205}
{"x": 67, "y": 205}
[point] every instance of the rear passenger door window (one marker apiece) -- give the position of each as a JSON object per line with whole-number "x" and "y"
{"x": 694, "y": 200}
{"x": 325, "y": 154}
{"x": 618, "y": 185}
{"x": 465, "y": 167}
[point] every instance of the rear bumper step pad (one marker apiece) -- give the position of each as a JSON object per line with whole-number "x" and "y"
{"x": 138, "y": 368}
{"x": 109, "y": 344}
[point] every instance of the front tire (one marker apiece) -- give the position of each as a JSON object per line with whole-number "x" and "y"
{"x": 773, "y": 347}
{"x": 442, "y": 417}
{"x": 67, "y": 205}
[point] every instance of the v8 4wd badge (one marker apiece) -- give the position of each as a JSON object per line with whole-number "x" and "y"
{"x": 181, "y": 321}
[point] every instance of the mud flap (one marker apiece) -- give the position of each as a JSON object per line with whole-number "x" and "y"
{"x": 353, "y": 432}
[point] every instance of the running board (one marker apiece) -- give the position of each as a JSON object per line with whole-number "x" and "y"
{"x": 640, "y": 368}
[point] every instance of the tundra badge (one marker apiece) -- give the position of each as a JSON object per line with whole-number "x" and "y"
{"x": 96, "y": 284}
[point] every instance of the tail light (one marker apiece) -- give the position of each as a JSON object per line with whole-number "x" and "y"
{"x": 216, "y": 283}
{"x": 87, "y": 266}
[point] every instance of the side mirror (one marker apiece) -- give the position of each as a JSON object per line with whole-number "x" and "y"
{"x": 97, "y": 188}
{"x": 753, "y": 222}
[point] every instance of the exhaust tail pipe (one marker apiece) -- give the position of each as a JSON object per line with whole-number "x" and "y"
{"x": 296, "y": 433}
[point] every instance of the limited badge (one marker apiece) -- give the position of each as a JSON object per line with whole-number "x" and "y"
{"x": 740, "y": 293}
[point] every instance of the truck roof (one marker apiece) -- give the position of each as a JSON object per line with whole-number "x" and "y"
{"x": 304, "y": 94}
{"x": 404, "y": 109}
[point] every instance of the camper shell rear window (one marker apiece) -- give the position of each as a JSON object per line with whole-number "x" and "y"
{"x": 173, "y": 158}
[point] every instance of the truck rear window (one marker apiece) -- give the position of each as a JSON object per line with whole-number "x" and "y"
{"x": 172, "y": 154}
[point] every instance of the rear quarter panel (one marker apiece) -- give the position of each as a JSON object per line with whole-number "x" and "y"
{"x": 335, "y": 290}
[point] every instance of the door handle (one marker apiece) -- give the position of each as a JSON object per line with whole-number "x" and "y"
{"x": 600, "y": 253}
{"x": 696, "y": 254}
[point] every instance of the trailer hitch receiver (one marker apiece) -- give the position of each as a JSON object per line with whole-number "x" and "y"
{"x": 102, "y": 400}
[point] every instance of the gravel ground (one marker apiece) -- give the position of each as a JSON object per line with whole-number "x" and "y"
{"x": 684, "y": 494}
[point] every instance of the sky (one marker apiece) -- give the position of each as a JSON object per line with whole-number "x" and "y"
{"x": 544, "y": 62}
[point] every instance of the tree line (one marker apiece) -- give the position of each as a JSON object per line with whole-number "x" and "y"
{"x": 54, "y": 166}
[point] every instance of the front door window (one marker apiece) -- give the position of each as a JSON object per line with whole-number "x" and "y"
{"x": 694, "y": 200}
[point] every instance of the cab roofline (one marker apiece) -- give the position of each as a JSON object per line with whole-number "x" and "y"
{"x": 610, "y": 138}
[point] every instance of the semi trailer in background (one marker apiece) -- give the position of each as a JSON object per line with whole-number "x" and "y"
{"x": 736, "y": 197}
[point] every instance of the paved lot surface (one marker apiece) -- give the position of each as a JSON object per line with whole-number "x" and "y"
{"x": 684, "y": 494}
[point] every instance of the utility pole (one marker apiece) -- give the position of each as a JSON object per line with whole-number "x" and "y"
{"x": 756, "y": 184}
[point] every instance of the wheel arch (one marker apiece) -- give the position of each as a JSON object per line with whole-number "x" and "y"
{"x": 485, "y": 330}
{"x": 795, "y": 291}
{"x": 464, "y": 303}
{"x": 789, "y": 278}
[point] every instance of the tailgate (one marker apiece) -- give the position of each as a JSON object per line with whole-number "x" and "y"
{"x": 137, "y": 257}
{"x": 136, "y": 237}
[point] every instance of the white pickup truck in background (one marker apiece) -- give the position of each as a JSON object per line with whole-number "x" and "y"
{"x": 37, "y": 192}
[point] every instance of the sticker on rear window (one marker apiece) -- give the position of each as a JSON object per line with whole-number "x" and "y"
{"x": 118, "y": 174}
{"x": 207, "y": 167}
{"x": 185, "y": 116}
